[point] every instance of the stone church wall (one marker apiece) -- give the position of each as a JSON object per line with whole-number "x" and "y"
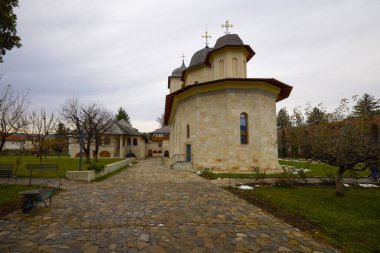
{"x": 214, "y": 123}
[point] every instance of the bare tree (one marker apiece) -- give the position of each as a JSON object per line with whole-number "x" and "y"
{"x": 102, "y": 122}
{"x": 39, "y": 126}
{"x": 12, "y": 110}
{"x": 89, "y": 119}
{"x": 160, "y": 120}
{"x": 350, "y": 144}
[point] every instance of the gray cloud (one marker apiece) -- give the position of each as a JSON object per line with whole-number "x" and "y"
{"x": 121, "y": 52}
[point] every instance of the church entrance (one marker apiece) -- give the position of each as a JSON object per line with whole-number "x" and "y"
{"x": 149, "y": 153}
{"x": 188, "y": 153}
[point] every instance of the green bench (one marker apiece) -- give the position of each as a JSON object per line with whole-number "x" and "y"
{"x": 7, "y": 171}
{"x": 42, "y": 169}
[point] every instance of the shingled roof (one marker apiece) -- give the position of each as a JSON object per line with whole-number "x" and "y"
{"x": 162, "y": 130}
{"x": 123, "y": 127}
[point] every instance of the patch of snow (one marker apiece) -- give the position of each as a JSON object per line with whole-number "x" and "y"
{"x": 368, "y": 185}
{"x": 245, "y": 187}
{"x": 346, "y": 185}
{"x": 198, "y": 173}
{"x": 218, "y": 178}
{"x": 257, "y": 185}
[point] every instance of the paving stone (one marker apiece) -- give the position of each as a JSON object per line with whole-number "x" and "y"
{"x": 149, "y": 208}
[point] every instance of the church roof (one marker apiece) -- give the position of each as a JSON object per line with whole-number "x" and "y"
{"x": 162, "y": 130}
{"x": 123, "y": 127}
{"x": 228, "y": 40}
{"x": 199, "y": 57}
{"x": 178, "y": 71}
{"x": 284, "y": 90}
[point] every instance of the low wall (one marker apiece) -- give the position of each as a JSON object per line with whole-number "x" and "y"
{"x": 90, "y": 175}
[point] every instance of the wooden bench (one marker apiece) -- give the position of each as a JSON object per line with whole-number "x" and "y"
{"x": 6, "y": 171}
{"x": 42, "y": 168}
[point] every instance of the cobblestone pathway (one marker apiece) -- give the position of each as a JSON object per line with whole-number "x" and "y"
{"x": 148, "y": 208}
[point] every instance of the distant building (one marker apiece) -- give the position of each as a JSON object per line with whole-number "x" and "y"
{"x": 158, "y": 146}
{"x": 121, "y": 140}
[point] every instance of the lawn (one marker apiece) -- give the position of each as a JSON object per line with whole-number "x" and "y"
{"x": 316, "y": 170}
{"x": 350, "y": 222}
{"x": 10, "y": 198}
{"x": 320, "y": 169}
{"x": 65, "y": 163}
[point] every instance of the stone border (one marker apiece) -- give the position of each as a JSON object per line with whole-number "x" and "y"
{"x": 90, "y": 175}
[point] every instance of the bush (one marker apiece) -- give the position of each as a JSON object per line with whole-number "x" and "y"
{"x": 97, "y": 167}
{"x": 286, "y": 179}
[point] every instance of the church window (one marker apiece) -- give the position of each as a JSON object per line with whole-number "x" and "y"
{"x": 234, "y": 67}
{"x": 221, "y": 68}
{"x": 107, "y": 140}
{"x": 244, "y": 70}
{"x": 129, "y": 142}
{"x": 243, "y": 128}
{"x": 134, "y": 142}
{"x": 188, "y": 131}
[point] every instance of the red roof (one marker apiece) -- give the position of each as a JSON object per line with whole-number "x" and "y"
{"x": 284, "y": 91}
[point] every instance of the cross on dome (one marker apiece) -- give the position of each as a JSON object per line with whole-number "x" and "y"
{"x": 206, "y": 36}
{"x": 183, "y": 57}
{"x": 227, "y": 25}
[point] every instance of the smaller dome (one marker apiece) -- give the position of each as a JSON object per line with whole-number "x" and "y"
{"x": 228, "y": 40}
{"x": 199, "y": 57}
{"x": 178, "y": 71}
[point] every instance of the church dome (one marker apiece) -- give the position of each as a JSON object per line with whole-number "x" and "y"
{"x": 228, "y": 40}
{"x": 178, "y": 71}
{"x": 199, "y": 57}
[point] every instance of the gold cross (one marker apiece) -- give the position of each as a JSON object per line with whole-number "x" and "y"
{"x": 227, "y": 25}
{"x": 206, "y": 36}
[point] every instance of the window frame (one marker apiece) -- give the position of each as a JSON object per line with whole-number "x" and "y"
{"x": 242, "y": 132}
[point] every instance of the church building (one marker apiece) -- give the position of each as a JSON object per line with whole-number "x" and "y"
{"x": 219, "y": 118}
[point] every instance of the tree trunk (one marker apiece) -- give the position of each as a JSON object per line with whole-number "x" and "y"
{"x": 2, "y": 144}
{"x": 87, "y": 151}
{"x": 339, "y": 182}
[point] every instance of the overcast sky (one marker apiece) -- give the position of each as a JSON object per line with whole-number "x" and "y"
{"x": 120, "y": 52}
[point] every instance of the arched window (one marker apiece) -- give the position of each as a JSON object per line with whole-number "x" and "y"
{"x": 243, "y": 128}
{"x": 129, "y": 142}
{"x": 107, "y": 140}
{"x": 134, "y": 142}
{"x": 234, "y": 66}
{"x": 244, "y": 69}
{"x": 221, "y": 68}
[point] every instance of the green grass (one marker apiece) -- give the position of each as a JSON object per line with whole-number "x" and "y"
{"x": 10, "y": 198}
{"x": 351, "y": 222}
{"x": 65, "y": 163}
{"x": 320, "y": 169}
{"x": 10, "y": 193}
{"x": 317, "y": 170}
